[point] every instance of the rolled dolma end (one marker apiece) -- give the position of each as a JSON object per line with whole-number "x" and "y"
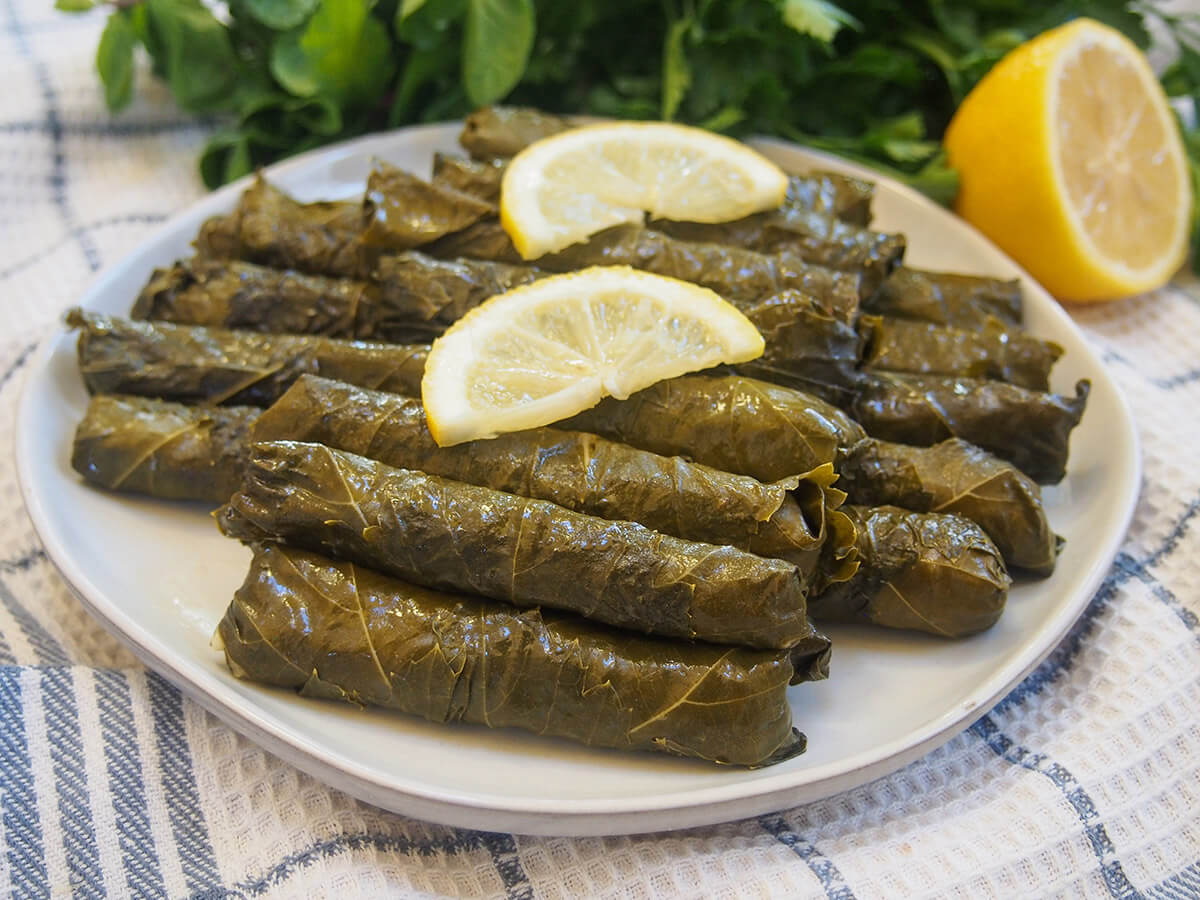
{"x": 811, "y": 531}
{"x": 272, "y": 228}
{"x": 1031, "y": 429}
{"x": 955, "y": 476}
{"x": 218, "y": 238}
{"x": 507, "y": 130}
{"x": 729, "y": 422}
{"x": 929, "y": 572}
{"x": 995, "y": 350}
{"x": 947, "y": 298}
{"x": 479, "y": 178}
{"x": 831, "y": 193}
{"x": 454, "y": 536}
{"x": 335, "y": 630}
{"x": 146, "y": 446}
{"x": 402, "y": 211}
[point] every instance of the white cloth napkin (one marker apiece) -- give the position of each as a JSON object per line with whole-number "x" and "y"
{"x": 1084, "y": 781}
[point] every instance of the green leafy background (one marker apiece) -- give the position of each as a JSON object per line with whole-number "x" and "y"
{"x": 875, "y": 80}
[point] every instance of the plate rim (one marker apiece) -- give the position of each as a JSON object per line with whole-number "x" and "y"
{"x": 590, "y": 816}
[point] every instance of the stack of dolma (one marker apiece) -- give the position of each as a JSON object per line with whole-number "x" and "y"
{"x": 641, "y": 576}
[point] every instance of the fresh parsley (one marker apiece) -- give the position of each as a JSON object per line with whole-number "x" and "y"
{"x": 874, "y": 80}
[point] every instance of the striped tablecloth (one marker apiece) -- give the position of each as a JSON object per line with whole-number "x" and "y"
{"x": 1084, "y": 781}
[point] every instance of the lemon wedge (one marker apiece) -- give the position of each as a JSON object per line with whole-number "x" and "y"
{"x": 563, "y": 188}
{"x": 545, "y": 351}
{"x": 1071, "y": 161}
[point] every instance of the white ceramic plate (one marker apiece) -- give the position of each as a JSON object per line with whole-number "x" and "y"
{"x": 159, "y": 576}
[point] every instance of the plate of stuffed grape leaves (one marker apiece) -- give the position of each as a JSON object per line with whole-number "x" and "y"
{"x": 729, "y": 593}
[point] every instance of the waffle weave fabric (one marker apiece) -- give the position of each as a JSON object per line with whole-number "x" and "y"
{"x": 1085, "y": 781}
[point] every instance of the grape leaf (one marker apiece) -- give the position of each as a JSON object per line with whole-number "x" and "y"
{"x": 343, "y": 52}
{"x": 496, "y": 46}
{"x": 677, "y": 74}
{"x": 195, "y": 53}
{"x": 281, "y": 14}
{"x": 114, "y": 60}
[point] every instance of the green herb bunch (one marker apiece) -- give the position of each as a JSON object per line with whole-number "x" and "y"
{"x": 876, "y": 80}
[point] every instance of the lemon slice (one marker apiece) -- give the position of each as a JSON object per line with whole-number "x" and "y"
{"x": 550, "y": 349}
{"x": 561, "y": 189}
{"x": 1071, "y": 161}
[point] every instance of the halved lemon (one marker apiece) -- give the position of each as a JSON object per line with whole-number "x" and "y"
{"x": 545, "y": 351}
{"x": 1071, "y": 161}
{"x": 561, "y": 189}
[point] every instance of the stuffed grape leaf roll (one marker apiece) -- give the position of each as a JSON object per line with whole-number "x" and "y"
{"x": 945, "y": 298}
{"x": 729, "y": 422}
{"x": 402, "y": 211}
{"x": 807, "y": 347}
{"x": 212, "y": 365}
{"x": 414, "y": 298}
{"x": 225, "y": 293}
{"x": 333, "y": 630}
{"x": 956, "y": 477}
{"x": 454, "y": 536}
{"x": 479, "y": 178}
{"x": 921, "y": 571}
{"x": 507, "y": 130}
{"x": 169, "y": 450}
{"x": 272, "y": 228}
{"x": 993, "y": 351}
{"x": 813, "y": 237}
{"x": 832, "y": 194}
{"x": 1031, "y": 429}
{"x": 422, "y": 296}
{"x": 733, "y": 272}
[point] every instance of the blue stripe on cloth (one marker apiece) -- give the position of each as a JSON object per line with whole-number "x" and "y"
{"x": 1081, "y": 802}
{"x": 22, "y": 563}
{"x": 1179, "y": 291}
{"x": 70, "y": 782}
{"x": 1160, "y": 591}
{"x": 123, "y": 762}
{"x": 832, "y": 881}
{"x": 1185, "y": 885}
{"x": 15, "y": 365}
{"x": 507, "y": 860}
{"x": 73, "y": 22}
{"x": 58, "y": 175}
{"x": 109, "y": 128}
{"x": 1175, "y": 535}
{"x": 188, "y": 825}
{"x": 1124, "y": 568}
{"x": 1176, "y": 381}
{"x": 457, "y": 841}
{"x": 1111, "y": 356}
{"x": 73, "y": 234}
{"x": 47, "y": 650}
{"x": 26, "y": 854}
{"x": 7, "y": 657}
